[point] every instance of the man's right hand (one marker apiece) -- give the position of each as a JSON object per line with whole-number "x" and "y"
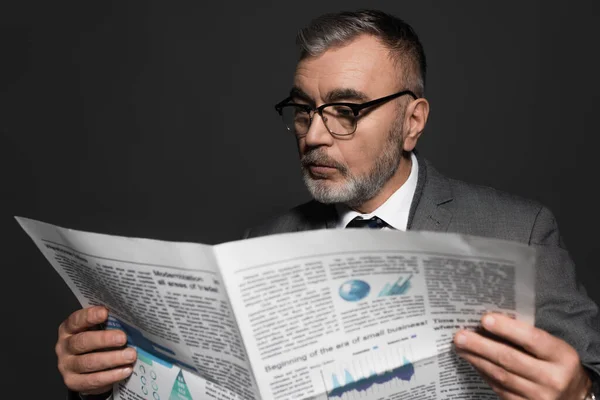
{"x": 91, "y": 361}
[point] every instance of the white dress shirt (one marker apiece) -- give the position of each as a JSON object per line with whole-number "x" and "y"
{"x": 394, "y": 211}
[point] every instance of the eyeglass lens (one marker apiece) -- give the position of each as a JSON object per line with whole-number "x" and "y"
{"x": 339, "y": 120}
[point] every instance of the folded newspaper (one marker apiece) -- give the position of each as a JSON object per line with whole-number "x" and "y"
{"x": 326, "y": 314}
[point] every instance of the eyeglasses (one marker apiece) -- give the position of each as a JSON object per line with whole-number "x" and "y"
{"x": 340, "y": 119}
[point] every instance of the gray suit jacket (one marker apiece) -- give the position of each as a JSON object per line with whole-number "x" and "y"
{"x": 446, "y": 205}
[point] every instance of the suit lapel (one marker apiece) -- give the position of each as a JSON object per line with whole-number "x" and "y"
{"x": 431, "y": 206}
{"x": 317, "y": 216}
{"x": 331, "y": 219}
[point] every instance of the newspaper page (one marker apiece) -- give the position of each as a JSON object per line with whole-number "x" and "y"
{"x": 363, "y": 314}
{"x": 344, "y": 314}
{"x": 170, "y": 300}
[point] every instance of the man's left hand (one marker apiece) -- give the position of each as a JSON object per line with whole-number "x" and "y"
{"x": 539, "y": 366}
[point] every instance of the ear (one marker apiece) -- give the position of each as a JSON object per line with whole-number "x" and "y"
{"x": 415, "y": 120}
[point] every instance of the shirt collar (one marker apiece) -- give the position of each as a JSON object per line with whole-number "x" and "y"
{"x": 395, "y": 210}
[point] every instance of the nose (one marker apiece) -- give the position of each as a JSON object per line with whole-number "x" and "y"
{"x": 318, "y": 134}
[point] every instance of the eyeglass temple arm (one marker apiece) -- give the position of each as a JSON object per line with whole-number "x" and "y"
{"x": 356, "y": 108}
{"x": 282, "y": 103}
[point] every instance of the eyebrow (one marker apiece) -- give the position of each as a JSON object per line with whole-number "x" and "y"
{"x": 342, "y": 94}
{"x": 336, "y": 95}
{"x": 297, "y": 93}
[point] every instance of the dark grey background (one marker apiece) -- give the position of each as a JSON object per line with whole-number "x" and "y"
{"x": 155, "y": 119}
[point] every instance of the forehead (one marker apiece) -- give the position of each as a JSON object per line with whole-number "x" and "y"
{"x": 364, "y": 65}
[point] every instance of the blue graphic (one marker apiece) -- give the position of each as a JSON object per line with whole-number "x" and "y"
{"x": 148, "y": 351}
{"x": 354, "y": 290}
{"x": 404, "y": 373}
{"x": 180, "y": 389}
{"x": 397, "y": 288}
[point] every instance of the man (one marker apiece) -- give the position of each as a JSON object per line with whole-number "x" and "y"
{"x": 357, "y": 111}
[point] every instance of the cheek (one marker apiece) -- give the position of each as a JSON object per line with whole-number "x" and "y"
{"x": 301, "y": 146}
{"x": 366, "y": 147}
{"x": 357, "y": 155}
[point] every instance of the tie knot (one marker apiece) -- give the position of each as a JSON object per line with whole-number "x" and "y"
{"x": 371, "y": 223}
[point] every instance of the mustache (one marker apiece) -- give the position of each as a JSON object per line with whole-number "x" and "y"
{"x": 318, "y": 157}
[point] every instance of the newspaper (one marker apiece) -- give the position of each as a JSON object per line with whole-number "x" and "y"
{"x": 326, "y": 314}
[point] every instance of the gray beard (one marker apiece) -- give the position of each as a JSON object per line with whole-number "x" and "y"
{"x": 355, "y": 189}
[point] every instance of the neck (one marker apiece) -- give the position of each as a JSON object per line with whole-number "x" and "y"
{"x": 390, "y": 187}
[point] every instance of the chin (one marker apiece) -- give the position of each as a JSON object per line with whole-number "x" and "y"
{"x": 328, "y": 192}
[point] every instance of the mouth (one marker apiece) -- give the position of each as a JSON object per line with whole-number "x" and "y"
{"x": 321, "y": 170}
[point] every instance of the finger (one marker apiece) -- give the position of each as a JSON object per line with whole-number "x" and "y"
{"x": 98, "y": 382}
{"x": 83, "y": 319}
{"x": 84, "y": 342}
{"x": 502, "y": 381}
{"x": 501, "y": 391}
{"x": 507, "y": 357}
{"x": 535, "y": 341}
{"x": 102, "y": 360}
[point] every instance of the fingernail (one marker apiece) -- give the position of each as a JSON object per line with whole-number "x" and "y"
{"x": 488, "y": 321}
{"x": 119, "y": 339}
{"x": 129, "y": 354}
{"x": 127, "y": 371}
{"x": 98, "y": 314}
{"x": 461, "y": 339}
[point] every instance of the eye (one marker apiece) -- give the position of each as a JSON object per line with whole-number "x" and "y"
{"x": 301, "y": 118}
{"x": 343, "y": 112}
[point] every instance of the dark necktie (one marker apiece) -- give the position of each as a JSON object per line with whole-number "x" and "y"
{"x": 371, "y": 223}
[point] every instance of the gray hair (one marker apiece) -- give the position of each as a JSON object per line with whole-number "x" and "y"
{"x": 338, "y": 29}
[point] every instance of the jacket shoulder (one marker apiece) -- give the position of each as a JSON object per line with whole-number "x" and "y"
{"x": 486, "y": 211}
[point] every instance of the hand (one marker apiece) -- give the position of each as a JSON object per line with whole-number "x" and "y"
{"x": 541, "y": 367}
{"x": 88, "y": 359}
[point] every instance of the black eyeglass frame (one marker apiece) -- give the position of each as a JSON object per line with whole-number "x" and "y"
{"x": 355, "y": 107}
